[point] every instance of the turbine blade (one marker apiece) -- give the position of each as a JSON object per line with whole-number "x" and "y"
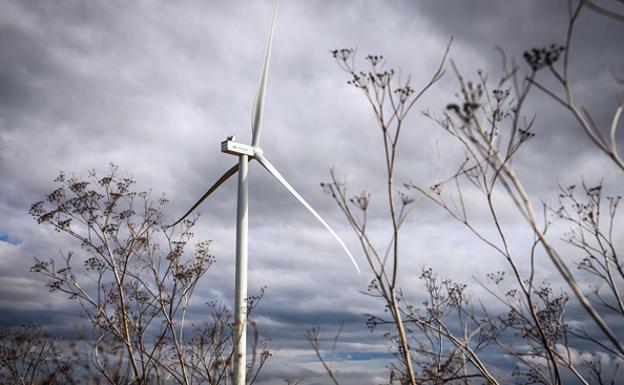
{"x": 258, "y": 108}
{"x": 216, "y": 185}
{"x": 273, "y": 171}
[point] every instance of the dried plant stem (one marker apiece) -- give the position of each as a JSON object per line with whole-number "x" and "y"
{"x": 560, "y": 265}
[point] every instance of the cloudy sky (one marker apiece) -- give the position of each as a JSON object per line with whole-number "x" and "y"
{"x": 154, "y": 87}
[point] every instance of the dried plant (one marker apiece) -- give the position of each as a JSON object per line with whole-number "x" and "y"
{"x": 29, "y": 356}
{"x": 491, "y": 126}
{"x": 134, "y": 282}
{"x": 445, "y": 340}
{"x": 391, "y": 100}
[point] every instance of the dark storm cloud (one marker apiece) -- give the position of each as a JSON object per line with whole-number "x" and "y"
{"x": 154, "y": 87}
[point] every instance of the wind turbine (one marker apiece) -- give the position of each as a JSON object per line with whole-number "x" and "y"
{"x": 246, "y": 153}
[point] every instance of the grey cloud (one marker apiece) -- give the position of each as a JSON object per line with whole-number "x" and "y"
{"x": 154, "y": 87}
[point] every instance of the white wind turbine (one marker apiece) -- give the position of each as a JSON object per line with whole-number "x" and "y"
{"x": 246, "y": 153}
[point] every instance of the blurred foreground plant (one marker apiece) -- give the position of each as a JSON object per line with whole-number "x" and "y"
{"x": 29, "y": 356}
{"x": 448, "y": 340}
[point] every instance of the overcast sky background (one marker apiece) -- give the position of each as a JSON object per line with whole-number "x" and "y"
{"x": 154, "y": 87}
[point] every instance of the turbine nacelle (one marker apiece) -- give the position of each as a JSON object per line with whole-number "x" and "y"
{"x": 229, "y": 146}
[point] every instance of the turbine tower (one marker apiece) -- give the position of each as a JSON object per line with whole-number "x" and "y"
{"x": 246, "y": 153}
